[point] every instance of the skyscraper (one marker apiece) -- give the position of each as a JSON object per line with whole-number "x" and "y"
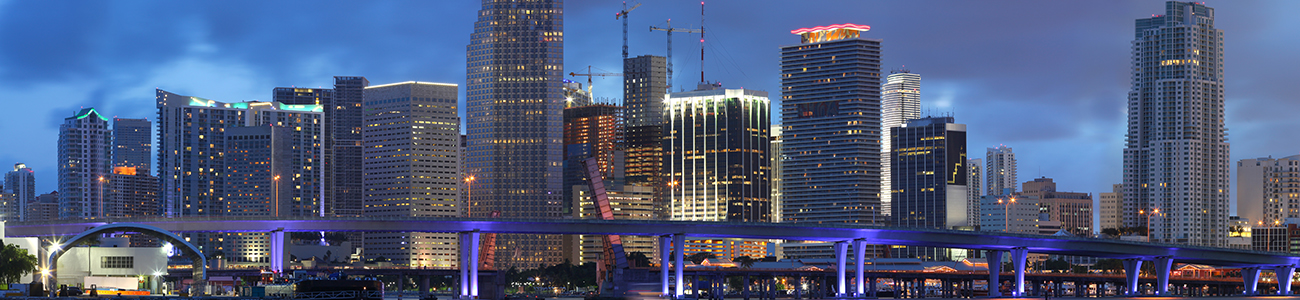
{"x": 192, "y": 166}
{"x": 412, "y": 147}
{"x": 714, "y": 134}
{"x": 778, "y": 159}
{"x": 1001, "y": 171}
{"x": 974, "y": 188}
{"x": 344, "y": 122}
{"x": 515, "y": 104}
{"x": 21, "y": 182}
{"x": 1176, "y": 149}
{"x": 901, "y": 102}
{"x": 716, "y": 162}
{"x": 645, "y": 84}
{"x": 132, "y": 144}
{"x": 830, "y": 87}
{"x": 930, "y": 191}
{"x": 324, "y": 98}
{"x": 131, "y": 194}
{"x": 85, "y": 149}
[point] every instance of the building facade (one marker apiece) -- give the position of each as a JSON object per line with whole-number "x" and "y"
{"x": 901, "y": 101}
{"x": 592, "y": 131}
{"x": 716, "y": 155}
{"x": 133, "y": 144}
{"x": 1009, "y": 213}
{"x": 344, "y": 117}
{"x": 132, "y": 194}
{"x": 1268, "y": 189}
{"x": 974, "y": 189}
{"x": 1110, "y": 205}
{"x": 85, "y": 160}
{"x": 515, "y": 103}
{"x": 43, "y": 207}
{"x": 192, "y": 142}
{"x": 930, "y": 189}
{"x": 777, "y": 171}
{"x": 628, "y": 202}
{"x": 645, "y": 87}
{"x": 21, "y": 183}
{"x": 412, "y": 163}
{"x": 830, "y": 89}
{"x": 1001, "y": 170}
{"x": 1176, "y": 148}
{"x": 1072, "y": 210}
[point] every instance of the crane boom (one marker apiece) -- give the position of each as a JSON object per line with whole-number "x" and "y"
{"x": 670, "y": 31}
{"x": 623, "y": 15}
{"x": 589, "y": 74}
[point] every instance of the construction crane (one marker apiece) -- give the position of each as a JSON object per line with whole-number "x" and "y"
{"x": 623, "y": 15}
{"x": 589, "y": 74}
{"x": 670, "y": 31}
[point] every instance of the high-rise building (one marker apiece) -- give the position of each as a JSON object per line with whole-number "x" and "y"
{"x": 10, "y": 208}
{"x": 132, "y": 193}
{"x": 515, "y": 103}
{"x": 21, "y": 182}
{"x": 1073, "y": 210}
{"x": 1268, "y": 190}
{"x": 974, "y": 189}
{"x": 830, "y": 88}
{"x": 716, "y": 146}
{"x": 324, "y": 98}
{"x": 1176, "y": 149}
{"x": 192, "y": 142}
{"x": 930, "y": 191}
{"x": 901, "y": 101}
{"x": 777, "y": 171}
{"x": 412, "y": 143}
{"x": 132, "y": 144}
{"x": 592, "y": 131}
{"x": 1001, "y": 171}
{"x": 645, "y": 87}
{"x": 931, "y": 159}
{"x": 344, "y": 123}
{"x": 1110, "y": 205}
{"x": 85, "y": 149}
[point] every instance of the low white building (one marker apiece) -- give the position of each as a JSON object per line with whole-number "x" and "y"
{"x": 32, "y": 245}
{"x": 113, "y": 264}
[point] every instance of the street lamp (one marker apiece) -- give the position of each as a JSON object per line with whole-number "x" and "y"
{"x": 1006, "y": 213}
{"x": 469, "y": 197}
{"x": 101, "y": 197}
{"x": 276, "y": 191}
{"x": 1154, "y": 212}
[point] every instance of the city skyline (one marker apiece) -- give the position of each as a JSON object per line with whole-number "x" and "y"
{"x": 112, "y": 70}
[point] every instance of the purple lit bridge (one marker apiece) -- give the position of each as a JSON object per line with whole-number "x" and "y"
{"x": 674, "y": 233}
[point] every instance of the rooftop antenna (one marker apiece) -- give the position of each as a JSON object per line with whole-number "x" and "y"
{"x": 702, "y": 43}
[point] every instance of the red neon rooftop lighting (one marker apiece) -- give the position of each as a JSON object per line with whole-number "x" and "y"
{"x": 832, "y": 27}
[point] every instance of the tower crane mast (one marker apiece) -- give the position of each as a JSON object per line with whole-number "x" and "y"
{"x": 623, "y": 15}
{"x": 589, "y": 74}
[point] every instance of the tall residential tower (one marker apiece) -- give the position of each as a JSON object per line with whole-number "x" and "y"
{"x": 901, "y": 102}
{"x": 830, "y": 88}
{"x": 1176, "y": 152}
{"x": 1001, "y": 170}
{"x": 85, "y": 149}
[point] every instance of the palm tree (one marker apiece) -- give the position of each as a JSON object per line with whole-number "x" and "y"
{"x": 745, "y": 261}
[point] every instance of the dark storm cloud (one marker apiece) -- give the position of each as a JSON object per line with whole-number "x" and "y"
{"x": 1049, "y": 78}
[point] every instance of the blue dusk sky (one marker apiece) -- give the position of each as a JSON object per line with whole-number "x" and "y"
{"x": 1047, "y": 78}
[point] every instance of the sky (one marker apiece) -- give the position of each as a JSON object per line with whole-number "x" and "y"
{"x": 1047, "y": 78}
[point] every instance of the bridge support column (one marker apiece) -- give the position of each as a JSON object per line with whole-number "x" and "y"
{"x": 841, "y": 257}
{"x": 1131, "y": 268}
{"x": 872, "y": 292}
{"x": 995, "y": 267}
{"x": 1164, "y": 264}
{"x": 278, "y": 255}
{"x": 1018, "y": 260}
{"x": 859, "y": 263}
{"x": 745, "y": 291}
{"x": 473, "y": 264}
{"x": 1250, "y": 277}
{"x": 424, "y": 286}
{"x": 679, "y": 245}
{"x": 463, "y": 239}
{"x": 1284, "y": 274}
{"x": 665, "y": 241}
